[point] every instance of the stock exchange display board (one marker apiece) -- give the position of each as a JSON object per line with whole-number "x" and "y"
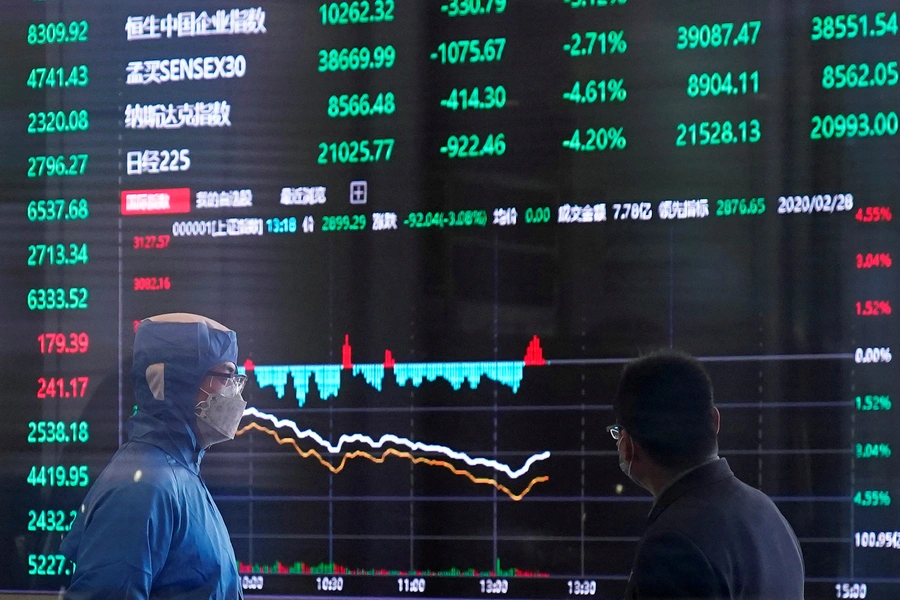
{"x": 439, "y": 228}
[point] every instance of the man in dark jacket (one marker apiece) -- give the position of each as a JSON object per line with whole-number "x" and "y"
{"x": 148, "y": 527}
{"x": 708, "y": 535}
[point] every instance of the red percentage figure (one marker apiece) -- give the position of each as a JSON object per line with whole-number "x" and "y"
{"x": 873, "y": 308}
{"x": 874, "y": 261}
{"x": 874, "y": 214}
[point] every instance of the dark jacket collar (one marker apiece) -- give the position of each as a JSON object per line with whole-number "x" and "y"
{"x": 708, "y": 474}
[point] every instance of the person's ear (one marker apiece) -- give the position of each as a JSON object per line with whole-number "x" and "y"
{"x": 716, "y": 419}
{"x": 626, "y": 443}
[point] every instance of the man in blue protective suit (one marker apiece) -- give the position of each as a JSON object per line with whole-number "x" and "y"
{"x": 148, "y": 527}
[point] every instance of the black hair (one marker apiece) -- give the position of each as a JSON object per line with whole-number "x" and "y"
{"x": 665, "y": 402}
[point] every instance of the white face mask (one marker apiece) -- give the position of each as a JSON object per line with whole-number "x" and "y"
{"x": 220, "y": 414}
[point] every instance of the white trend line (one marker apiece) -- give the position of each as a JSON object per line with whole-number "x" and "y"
{"x": 419, "y": 446}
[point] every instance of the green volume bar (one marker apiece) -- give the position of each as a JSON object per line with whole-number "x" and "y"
{"x": 594, "y": 3}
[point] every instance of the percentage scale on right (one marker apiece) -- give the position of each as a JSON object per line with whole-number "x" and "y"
{"x": 872, "y": 355}
{"x": 875, "y": 530}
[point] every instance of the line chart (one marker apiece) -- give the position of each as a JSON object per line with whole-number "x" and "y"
{"x": 393, "y": 452}
{"x": 390, "y": 438}
{"x": 328, "y": 376}
{"x": 508, "y": 479}
{"x": 509, "y": 373}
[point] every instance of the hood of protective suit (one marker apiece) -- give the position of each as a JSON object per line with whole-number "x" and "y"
{"x": 172, "y": 354}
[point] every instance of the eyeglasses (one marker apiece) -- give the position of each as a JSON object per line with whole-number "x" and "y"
{"x": 615, "y": 431}
{"x": 235, "y": 380}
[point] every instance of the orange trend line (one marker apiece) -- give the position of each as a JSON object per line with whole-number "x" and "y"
{"x": 391, "y": 452}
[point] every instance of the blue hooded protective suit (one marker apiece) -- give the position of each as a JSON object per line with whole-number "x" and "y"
{"x": 148, "y": 527}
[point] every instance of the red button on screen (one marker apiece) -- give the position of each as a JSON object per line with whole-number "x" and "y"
{"x": 156, "y": 202}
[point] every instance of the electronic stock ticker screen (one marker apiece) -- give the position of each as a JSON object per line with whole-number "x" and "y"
{"x": 440, "y": 227}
